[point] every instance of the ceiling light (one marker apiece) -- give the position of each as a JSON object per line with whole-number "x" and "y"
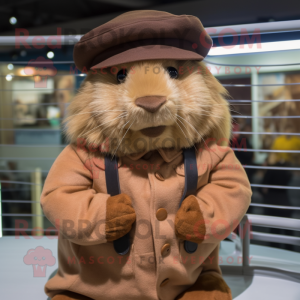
{"x": 8, "y": 77}
{"x": 50, "y": 54}
{"x": 255, "y": 48}
{"x": 13, "y": 20}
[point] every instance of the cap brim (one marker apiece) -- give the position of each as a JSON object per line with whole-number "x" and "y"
{"x": 148, "y": 53}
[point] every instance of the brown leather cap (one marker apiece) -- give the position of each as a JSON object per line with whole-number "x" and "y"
{"x": 139, "y": 35}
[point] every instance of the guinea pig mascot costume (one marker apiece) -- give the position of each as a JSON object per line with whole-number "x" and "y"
{"x": 148, "y": 186}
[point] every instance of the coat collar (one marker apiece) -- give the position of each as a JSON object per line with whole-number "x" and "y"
{"x": 168, "y": 154}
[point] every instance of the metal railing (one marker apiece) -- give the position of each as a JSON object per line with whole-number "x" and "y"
{"x": 242, "y": 245}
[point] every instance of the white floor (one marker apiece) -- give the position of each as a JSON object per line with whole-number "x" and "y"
{"x": 17, "y": 280}
{"x": 262, "y": 288}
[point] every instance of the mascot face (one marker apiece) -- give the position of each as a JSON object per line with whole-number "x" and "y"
{"x": 148, "y": 105}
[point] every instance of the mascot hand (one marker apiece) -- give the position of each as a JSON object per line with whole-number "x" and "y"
{"x": 189, "y": 223}
{"x": 120, "y": 216}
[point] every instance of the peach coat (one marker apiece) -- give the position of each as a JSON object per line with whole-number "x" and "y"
{"x": 74, "y": 199}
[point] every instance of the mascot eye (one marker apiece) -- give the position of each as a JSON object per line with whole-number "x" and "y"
{"x": 172, "y": 72}
{"x": 121, "y": 76}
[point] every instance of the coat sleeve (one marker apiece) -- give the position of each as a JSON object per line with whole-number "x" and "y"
{"x": 69, "y": 201}
{"x": 224, "y": 200}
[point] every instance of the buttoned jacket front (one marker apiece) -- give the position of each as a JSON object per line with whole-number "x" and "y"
{"x": 157, "y": 266}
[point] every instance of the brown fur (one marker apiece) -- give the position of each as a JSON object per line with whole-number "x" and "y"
{"x": 95, "y": 114}
{"x": 209, "y": 287}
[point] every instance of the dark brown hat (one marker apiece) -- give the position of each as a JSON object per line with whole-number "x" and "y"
{"x": 140, "y": 35}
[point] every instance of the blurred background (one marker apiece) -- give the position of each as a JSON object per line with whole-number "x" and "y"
{"x": 263, "y": 79}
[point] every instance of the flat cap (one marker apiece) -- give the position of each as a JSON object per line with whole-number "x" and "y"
{"x": 142, "y": 35}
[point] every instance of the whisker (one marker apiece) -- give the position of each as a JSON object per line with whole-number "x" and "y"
{"x": 235, "y": 121}
{"x": 203, "y": 105}
{"x": 186, "y": 130}
{"x": 194, "y": 129}
{"x": 176, "y": 123}
{"x": 124, "y": 125}
{"x": 119, "y": 117}
{"x": 229, "y": 106}
{"x": 208, "y": 111}
{"x": 97, "y": 111}
{"x": 123, "y": 115}
{"x": 219, "y": 117}
{"x": 123, "y": 138}
{"x": 180, "y": 127}
{"x": 240, "y": 104}
{"x": 200, "y": 105}
{"x": 113, "y": 132}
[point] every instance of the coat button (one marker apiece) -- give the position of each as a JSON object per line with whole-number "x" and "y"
{"x": 165, "y": 250}
{"x": 161, "y": 214}
{"x": 164, "y": 282}
{"x": 159, "y": 176}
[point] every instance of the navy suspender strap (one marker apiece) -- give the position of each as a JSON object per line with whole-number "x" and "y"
{"x": 191, "y": 173}
{"x": 122, "y": 245}
{"x": 112, "y": 176}
{"x": 190, "y": 186}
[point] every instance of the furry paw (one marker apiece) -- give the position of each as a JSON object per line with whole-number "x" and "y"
{"x": 189, "y": 222}
{"x": 209, "y": 287}
{"x": 120, "y": 216}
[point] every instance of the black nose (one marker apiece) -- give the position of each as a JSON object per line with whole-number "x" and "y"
{"x": 151, "y": 103}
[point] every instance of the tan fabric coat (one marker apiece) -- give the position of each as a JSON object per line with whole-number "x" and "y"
{"x": 74, "y": 197}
